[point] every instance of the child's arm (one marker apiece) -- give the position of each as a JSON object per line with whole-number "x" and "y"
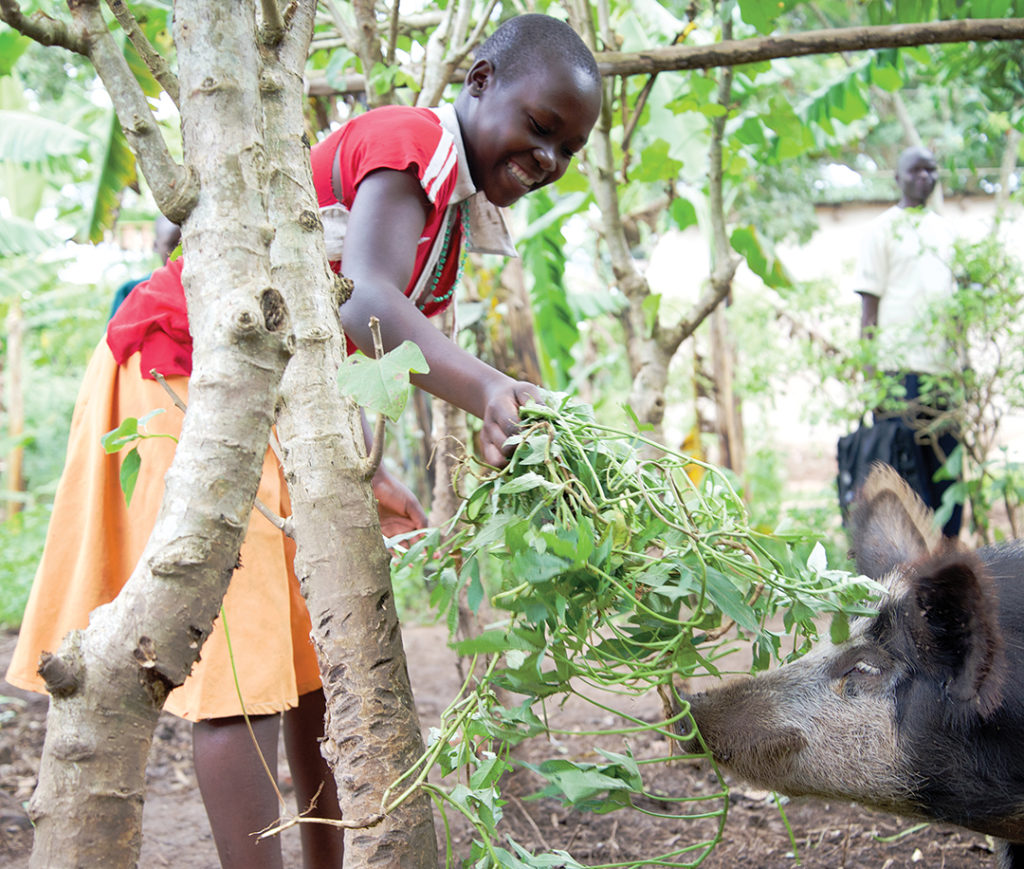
{"x": 386, "y": 221}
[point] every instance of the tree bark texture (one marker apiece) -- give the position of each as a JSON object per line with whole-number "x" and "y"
{"x": 109, "y": 681}
{"x": 373, "y": 733}
{"x": 728, "y": 422}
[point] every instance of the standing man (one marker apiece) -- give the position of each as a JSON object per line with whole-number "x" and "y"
{"x": 905, "y": 281}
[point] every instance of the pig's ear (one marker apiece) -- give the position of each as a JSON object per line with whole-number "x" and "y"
{"x": 955, "y": 627}
{"x": 890, "y": 525}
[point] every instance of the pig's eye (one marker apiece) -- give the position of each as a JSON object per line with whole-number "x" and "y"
{"x": 853, "y": 682}
{"x": 866, "y": 668}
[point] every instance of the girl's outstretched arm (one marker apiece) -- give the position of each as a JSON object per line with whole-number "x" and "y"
{"x": 386, "y": 222}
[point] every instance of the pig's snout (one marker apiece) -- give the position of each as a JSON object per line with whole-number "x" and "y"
{"x": 744, "y": 738}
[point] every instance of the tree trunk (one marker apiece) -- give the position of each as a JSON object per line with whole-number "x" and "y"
{"x": 728, "y": 422}
{"x": 109, "y": 681}
{"x": 373, "y": 733}
{"x": 650, "y": 346}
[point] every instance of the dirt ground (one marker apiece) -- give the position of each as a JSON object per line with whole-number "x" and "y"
{"x": 828, "y": 836}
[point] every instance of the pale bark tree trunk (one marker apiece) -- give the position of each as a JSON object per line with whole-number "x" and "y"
{"x": 728, "y": 419}
{"x": 109, "y": 682}
{"x": 1006, "y": 167}
{"x": 373, "y": 733}
{"x": 650, "y": 346}
{"x": 524, "y": 364}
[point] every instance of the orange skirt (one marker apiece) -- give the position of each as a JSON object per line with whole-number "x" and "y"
{"x": 94, "y": 541}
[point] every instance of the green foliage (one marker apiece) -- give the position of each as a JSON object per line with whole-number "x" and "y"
{"x": 614, "y": 572}
{"x": 760, "y": 257}
{"x": 12, "y": 45}
{"x": 543, "y": 253}
{"x": 128, "y": 432}
{"x": 21, "y": 541}
{"x": 117, "y": 172}
{"x": 984, "y": 324}
{"x": 28, "y": 139}
{"x": 382, "y": 385}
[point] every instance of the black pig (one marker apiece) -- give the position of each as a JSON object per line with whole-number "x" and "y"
{"x": 921, "y": 711}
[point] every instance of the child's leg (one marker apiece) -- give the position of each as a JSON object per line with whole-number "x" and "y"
{"x": 322, "y": 845}
{"x": 238, "y": 796}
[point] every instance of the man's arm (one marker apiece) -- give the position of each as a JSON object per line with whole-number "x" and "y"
{"x": 868, "y": 315}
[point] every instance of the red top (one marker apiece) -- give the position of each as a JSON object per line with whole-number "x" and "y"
{"x": 153, "y": 319}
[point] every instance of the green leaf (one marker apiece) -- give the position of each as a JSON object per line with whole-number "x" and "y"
{"x": 117, "y": 174}
{"x": 119, "y": 437}
{"x": 683, "y": 213}
{"x": 382, "y": 77}
{"x": 538, "y": 567}
{"x": 382, "y": 385}
{"x": 728, "y": 599}
{"x": 839, "y": 628}
{"x": 341, "y": 60}
{"x": 19, "y": 237}
{"x": 655, "y": 164}
{"x": 130, "y": 473}
{"x": 762, "y": 13}
{"x": 12, "y": 46}
{"x": 29, "y": 139}
{"x": 490, "y": 642}
{"x": 746, "y": 241}
{"x": 650, "y": 307}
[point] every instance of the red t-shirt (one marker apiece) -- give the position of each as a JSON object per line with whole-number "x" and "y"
{"x": 153, "y": 319}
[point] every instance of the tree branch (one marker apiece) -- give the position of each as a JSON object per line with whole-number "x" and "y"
{"x": 739, "y": 51}
{"x": 175, "y": 188}
{"x": 41, "y": 27}
{"x": 153, "y": 60}
{"x": 273, "y": 23}
{"x": 734, "y": 52}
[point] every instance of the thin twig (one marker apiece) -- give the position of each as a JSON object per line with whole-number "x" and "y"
{"x": 281, "y": 826}
{"x": 42, "y": 28}
{"x": 512, "y": 798}
{"x": 280, "y": 523}
{"x": 377, "y": 447}
{"x": 393, "y": 34}
{"x": 150, "y": 56}
{"x": 273, "y": 24}
{"x": 178, "y": 403}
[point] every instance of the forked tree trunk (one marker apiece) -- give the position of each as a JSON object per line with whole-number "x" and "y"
{"x": 373, "y": 733}
{"x": 108, "y": 682}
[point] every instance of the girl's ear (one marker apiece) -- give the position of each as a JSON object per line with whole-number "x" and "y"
{"x": 479, "y": 77}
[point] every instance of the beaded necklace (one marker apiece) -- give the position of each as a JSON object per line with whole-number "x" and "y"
{"x": 460, "y": 214}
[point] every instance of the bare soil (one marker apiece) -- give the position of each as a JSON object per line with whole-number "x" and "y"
{"x": 829, "y": 836}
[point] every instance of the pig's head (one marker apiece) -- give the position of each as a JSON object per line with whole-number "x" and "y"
{"x": 878, "y": 717}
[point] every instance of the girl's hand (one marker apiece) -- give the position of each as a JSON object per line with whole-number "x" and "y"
{"x": 398, "y": 508}
{"x": 501, "y": 419}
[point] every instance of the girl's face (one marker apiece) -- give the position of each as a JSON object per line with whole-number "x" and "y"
{"x": 521, "y": 134}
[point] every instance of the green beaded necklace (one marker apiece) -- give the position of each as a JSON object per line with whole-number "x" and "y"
{"x": 460, "y": 214}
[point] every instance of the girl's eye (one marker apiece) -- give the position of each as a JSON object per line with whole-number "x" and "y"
{"x": 539, "y": 129}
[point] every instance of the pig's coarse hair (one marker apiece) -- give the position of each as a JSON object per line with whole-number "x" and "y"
{"x": 953, "y": 602}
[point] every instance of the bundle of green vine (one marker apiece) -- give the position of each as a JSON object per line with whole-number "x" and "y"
{"x": 619, "y": 560}
{"x": 612, "y": 563}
